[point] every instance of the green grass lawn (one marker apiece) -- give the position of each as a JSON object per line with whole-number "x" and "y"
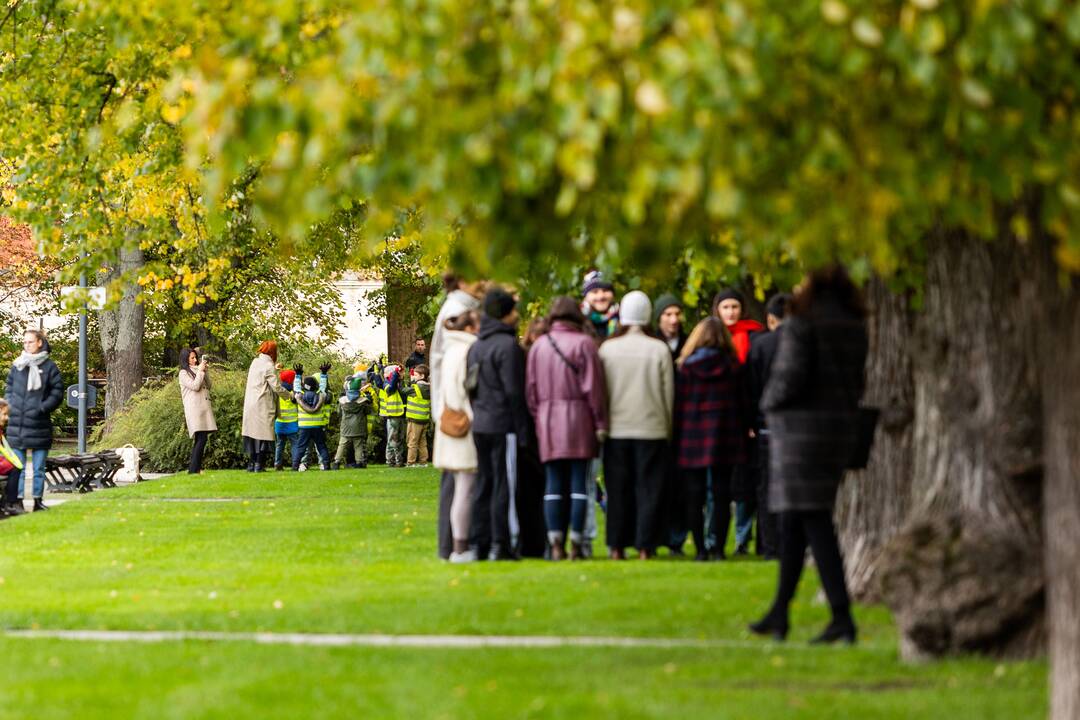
{"x": 353, "y": 552}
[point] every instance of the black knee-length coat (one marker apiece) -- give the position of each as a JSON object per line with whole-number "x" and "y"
{"x": 810, "y": 404}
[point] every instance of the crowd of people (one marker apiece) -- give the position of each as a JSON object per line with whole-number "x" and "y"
{"x": 613, "y": 406}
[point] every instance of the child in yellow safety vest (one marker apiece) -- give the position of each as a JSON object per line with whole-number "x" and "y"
{"x": 312, "y": 416}
{"x": 418, "y": 414}
{"x": 392, "y": 410}
{"x": 286, "y": 425}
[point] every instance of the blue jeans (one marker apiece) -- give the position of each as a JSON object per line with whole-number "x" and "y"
{"x": 315, "y": 435}
{"x": 279, "y": 446}
{"x": 38, "y": 455}
{"x": 744, "y": 522}
{"x": 566, "y": 490}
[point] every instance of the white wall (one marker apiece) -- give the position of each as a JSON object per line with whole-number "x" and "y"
{"x": 361, "y": 333}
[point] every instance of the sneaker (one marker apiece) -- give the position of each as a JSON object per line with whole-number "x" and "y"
{"x": 463, "y": 557}
{"x": 302, "y": 468}
{"x": 325, "y": 467}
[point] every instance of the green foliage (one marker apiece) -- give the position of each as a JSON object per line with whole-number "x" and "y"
{"x": 154, "y": 420}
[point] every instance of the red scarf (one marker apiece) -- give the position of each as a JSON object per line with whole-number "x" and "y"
{"x": 740, "y": 336}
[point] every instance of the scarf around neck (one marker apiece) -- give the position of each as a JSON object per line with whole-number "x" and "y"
{"x": 26, "y": 360}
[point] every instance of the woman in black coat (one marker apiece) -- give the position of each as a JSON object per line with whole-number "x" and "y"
{"x": 810, "y": 402}
{"x": 34, "y": 389}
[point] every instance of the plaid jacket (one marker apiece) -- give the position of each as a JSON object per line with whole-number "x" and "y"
{"x": 711, "y": 411}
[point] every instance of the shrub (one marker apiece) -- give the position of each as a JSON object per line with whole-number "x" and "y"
{"x": 154, "y": 420}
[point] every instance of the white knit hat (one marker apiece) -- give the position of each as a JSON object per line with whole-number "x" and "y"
{"x": 635, "y": 309}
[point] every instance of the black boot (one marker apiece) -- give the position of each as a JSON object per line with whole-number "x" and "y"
{"x": 840, "y": 629}
{"x": 39, "y": 505}
{"x": 775, "y": 624}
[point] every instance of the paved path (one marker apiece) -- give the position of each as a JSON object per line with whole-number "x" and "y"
{"x": 406, "y": 641}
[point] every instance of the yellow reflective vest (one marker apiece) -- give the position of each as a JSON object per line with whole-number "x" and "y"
{"x": 418, "y": 407}
{"x": 390, "y": 405}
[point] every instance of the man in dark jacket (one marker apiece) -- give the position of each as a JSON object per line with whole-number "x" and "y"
{"x": 418, "y": 357}
{"x": 500, "y": 423}
{"x": 762, "y": 352}
{"x": 34, "y": 389}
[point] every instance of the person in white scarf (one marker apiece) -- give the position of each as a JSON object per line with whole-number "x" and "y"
{"x": 34, "y": 390}
{"x": 32, "y": 361}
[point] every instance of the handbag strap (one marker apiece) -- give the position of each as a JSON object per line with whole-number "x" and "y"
{"x": 559, "y": 352}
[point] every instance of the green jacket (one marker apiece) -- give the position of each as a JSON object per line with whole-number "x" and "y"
{"x": 354, "y": 414}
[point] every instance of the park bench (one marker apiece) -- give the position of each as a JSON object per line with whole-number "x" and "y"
{"x": 83, "y": 472}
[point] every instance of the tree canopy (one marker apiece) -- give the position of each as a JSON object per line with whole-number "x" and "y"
{"x": 621, "y": 130}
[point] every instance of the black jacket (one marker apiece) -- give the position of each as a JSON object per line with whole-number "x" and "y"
{"x": 762, "y": 353}
{"x": 810, "y": 403}
{"x": 414, "y": 360}
{"x": 29, "y": 425}
{"x": 498, "y": 402}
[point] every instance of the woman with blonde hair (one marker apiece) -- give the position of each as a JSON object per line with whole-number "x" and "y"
{"x": 711, "y": 427}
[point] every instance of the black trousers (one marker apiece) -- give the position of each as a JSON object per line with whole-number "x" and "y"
{"x": 529, "y": 501}
{"x": 814, "y": 528}
{"x": 675, "y": 511}
{"x": 446, "y": 497}
{"x": 697, "y": 482}
{"x": 257, "y": 450}
{"x": 768, "y": 534}
{"x": 634, "y": 473}
{"x": 11, "y": 489}
{"x": 198, "y": 449}
{"x": 491, "y": 495}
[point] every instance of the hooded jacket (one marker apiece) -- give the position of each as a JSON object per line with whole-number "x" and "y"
{"x": 711, "y": 410}
{"x": 457, "y": 302}
{"x": 29, "y": 422}
{"x": 498, "y": 402}
{"x": 451, "y": 453}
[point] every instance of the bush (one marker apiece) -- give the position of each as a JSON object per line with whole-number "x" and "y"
{"x": 154, "y": 420}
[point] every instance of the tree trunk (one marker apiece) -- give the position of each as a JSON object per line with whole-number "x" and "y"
{"x": 873, "y": 504}
{"x": 964, "y": 574}
{"x": 122, "y": 330}
{"x": 1057, "y": 305}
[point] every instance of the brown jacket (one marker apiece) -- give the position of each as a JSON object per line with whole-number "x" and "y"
{"x": 195, "y": 392}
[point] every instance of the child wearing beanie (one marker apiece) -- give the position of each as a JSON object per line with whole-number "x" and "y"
{"x": 355, "y": 408}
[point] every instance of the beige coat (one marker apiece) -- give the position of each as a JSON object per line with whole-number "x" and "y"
{"x": 195, "y": 392}
{"x": 260, "y": 399}
{"x": 641, "y": 386}
{"x": 454, "y": 454}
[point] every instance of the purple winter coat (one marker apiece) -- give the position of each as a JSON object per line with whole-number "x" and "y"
{"x": 568, "y": 405}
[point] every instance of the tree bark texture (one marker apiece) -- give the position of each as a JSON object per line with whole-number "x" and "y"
{"x": 1057, "y": 304}
{"x": 873, "y": 504}
{"x": 121, "y": 331}
{"x": 963, "y": 573}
